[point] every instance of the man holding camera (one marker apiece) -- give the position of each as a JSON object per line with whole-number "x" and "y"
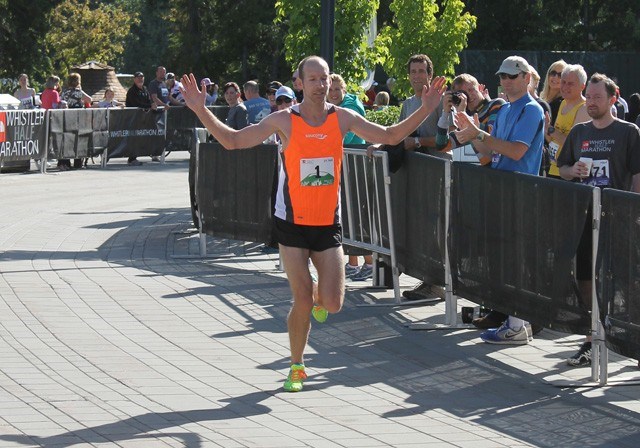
{"x": 514, "y": 144}
{"x": 467, "y": 94}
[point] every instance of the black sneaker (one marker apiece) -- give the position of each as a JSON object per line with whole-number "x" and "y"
{"x": 423, "y": 291}
{"x": 582, "y": 358}
{"x": 493, "y": 319}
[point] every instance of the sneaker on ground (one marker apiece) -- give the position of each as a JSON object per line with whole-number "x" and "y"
{"x": 294, "y": 381}
{"x": 583, "y": 357}
{"x": 135, "y": 163}
{"x": 350, "y": 270}
{"x": 493, "y": 319}
{"x": 424, "y": 291}
{"x": 506, "y": 335}
{"x": 363, "y": 273}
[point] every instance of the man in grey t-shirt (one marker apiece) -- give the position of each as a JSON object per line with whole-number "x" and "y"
{"x": 603, "y": 152}
{"x": 237, "y": 117}
{"x": 420, "y": 70}
{"x": 158, "y": 90}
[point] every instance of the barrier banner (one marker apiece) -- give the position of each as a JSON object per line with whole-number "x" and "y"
{"x": 77, "y": 133}
{"x": 180, "y": 124}
{"x": 364, "y": 197}
{"x": 418, "y": 201}
{"x": 619, "y": 271}
{"x": 234, "y": 191}
{"x": 22, "y": 134}
{"x": 513, "y": 242}
{"x": 136, "y": 132}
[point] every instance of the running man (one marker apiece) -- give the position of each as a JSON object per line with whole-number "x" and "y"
{"x": 307, "y": 217}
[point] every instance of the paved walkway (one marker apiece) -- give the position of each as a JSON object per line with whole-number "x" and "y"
{"x": 110, "y": 335}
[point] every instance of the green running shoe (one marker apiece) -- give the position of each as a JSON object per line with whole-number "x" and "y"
{"x": 297, "y": 375}
{"x": 319, "y": 313}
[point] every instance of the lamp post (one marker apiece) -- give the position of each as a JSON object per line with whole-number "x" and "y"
{"x": 327, "y": 22}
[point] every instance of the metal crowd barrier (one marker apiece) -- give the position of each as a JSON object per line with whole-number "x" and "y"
{"x": 367, "y": 201}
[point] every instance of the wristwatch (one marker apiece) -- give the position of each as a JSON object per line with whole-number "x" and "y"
{"x": 481, "y": 136}
{"x": 551, "y": 130}
{"x": 416, "y": 140}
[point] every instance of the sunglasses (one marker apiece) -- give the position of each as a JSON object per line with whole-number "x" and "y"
{"x": 505, "y": 76}
{"x": 294, "y": 79}
{"x": 554, "y": 73}
{"x": 283, "y": 99}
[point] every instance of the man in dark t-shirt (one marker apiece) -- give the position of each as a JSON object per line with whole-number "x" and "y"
{"x": 603, "y": 152}
{"x": 138, "y": 96}
{"x": 158, "y": 90}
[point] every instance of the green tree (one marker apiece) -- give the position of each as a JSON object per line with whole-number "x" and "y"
{"x": 23, "y": 26}
{"x": 421, "y": 26}
{"x": 80, "y": 33}
{"x": 352, "y": 18}
{"x": 226, "y": 40}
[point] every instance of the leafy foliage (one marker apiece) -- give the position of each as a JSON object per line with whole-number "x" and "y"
{"x": 385, "y": 117}
{"x": 352, "y": 18}
{"x": 80, "y": 33}
{"x": 419, "y": 26}
{"x": 23, "y": 26}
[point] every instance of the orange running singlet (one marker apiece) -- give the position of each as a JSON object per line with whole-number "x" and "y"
{"x": 309, "y": 181}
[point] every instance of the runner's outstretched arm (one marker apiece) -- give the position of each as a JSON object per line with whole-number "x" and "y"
{"x": 371, "y": 132}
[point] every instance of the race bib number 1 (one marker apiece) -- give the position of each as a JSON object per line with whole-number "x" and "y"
{"x": 316, "y": 172}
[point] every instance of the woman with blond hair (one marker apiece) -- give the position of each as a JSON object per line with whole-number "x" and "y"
{"x": 551, "y": 87}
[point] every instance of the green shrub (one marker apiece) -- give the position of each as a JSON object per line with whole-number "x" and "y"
{"x": 385, "y": 117}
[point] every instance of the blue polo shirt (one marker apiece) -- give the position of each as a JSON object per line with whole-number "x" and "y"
{"x": 520, "y": 121}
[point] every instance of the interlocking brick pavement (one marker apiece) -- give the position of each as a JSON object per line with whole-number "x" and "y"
{"x": 114, "y": 333}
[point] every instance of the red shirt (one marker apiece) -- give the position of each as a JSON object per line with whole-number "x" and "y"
{"x": 48, "y": 98}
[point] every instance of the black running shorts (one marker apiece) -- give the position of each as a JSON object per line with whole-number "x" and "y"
{"x": 315, "y": 238}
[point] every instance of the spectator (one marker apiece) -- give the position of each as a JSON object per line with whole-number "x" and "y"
{"x": 551, "y": 88}
{"x": 620, "y": 107}
{"x": 381, "y": 101}
{"x": 533, "y": 91}
{"x": 109, "y": 99}
{"x": 50, "y": 98}
{"x": 138, "y": 96}
{"x": 257, "y": 107}
{"x": 371, "y": 95}
{"x": 158, "y": 91}
{"x": 173, "y": 85}
{"x": 388, "y": 87}
{"x": 423, "y": 139}
{"x": 613, "y": 146}
{"x": 212, "y": 91}
{"x": 25, "y": 94}
{"x": 338, "y": 96}
{"x": 571, "y": 112}
{"x": 76, "y": 98}
{"x": 297, "y": 86}
{"x": 271, "y": 94}
{"x": 470, "y": 98}
{"x": 237, "y": 117}
{"x": 634, "y": 107}
{"x": 515, "y": 144}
